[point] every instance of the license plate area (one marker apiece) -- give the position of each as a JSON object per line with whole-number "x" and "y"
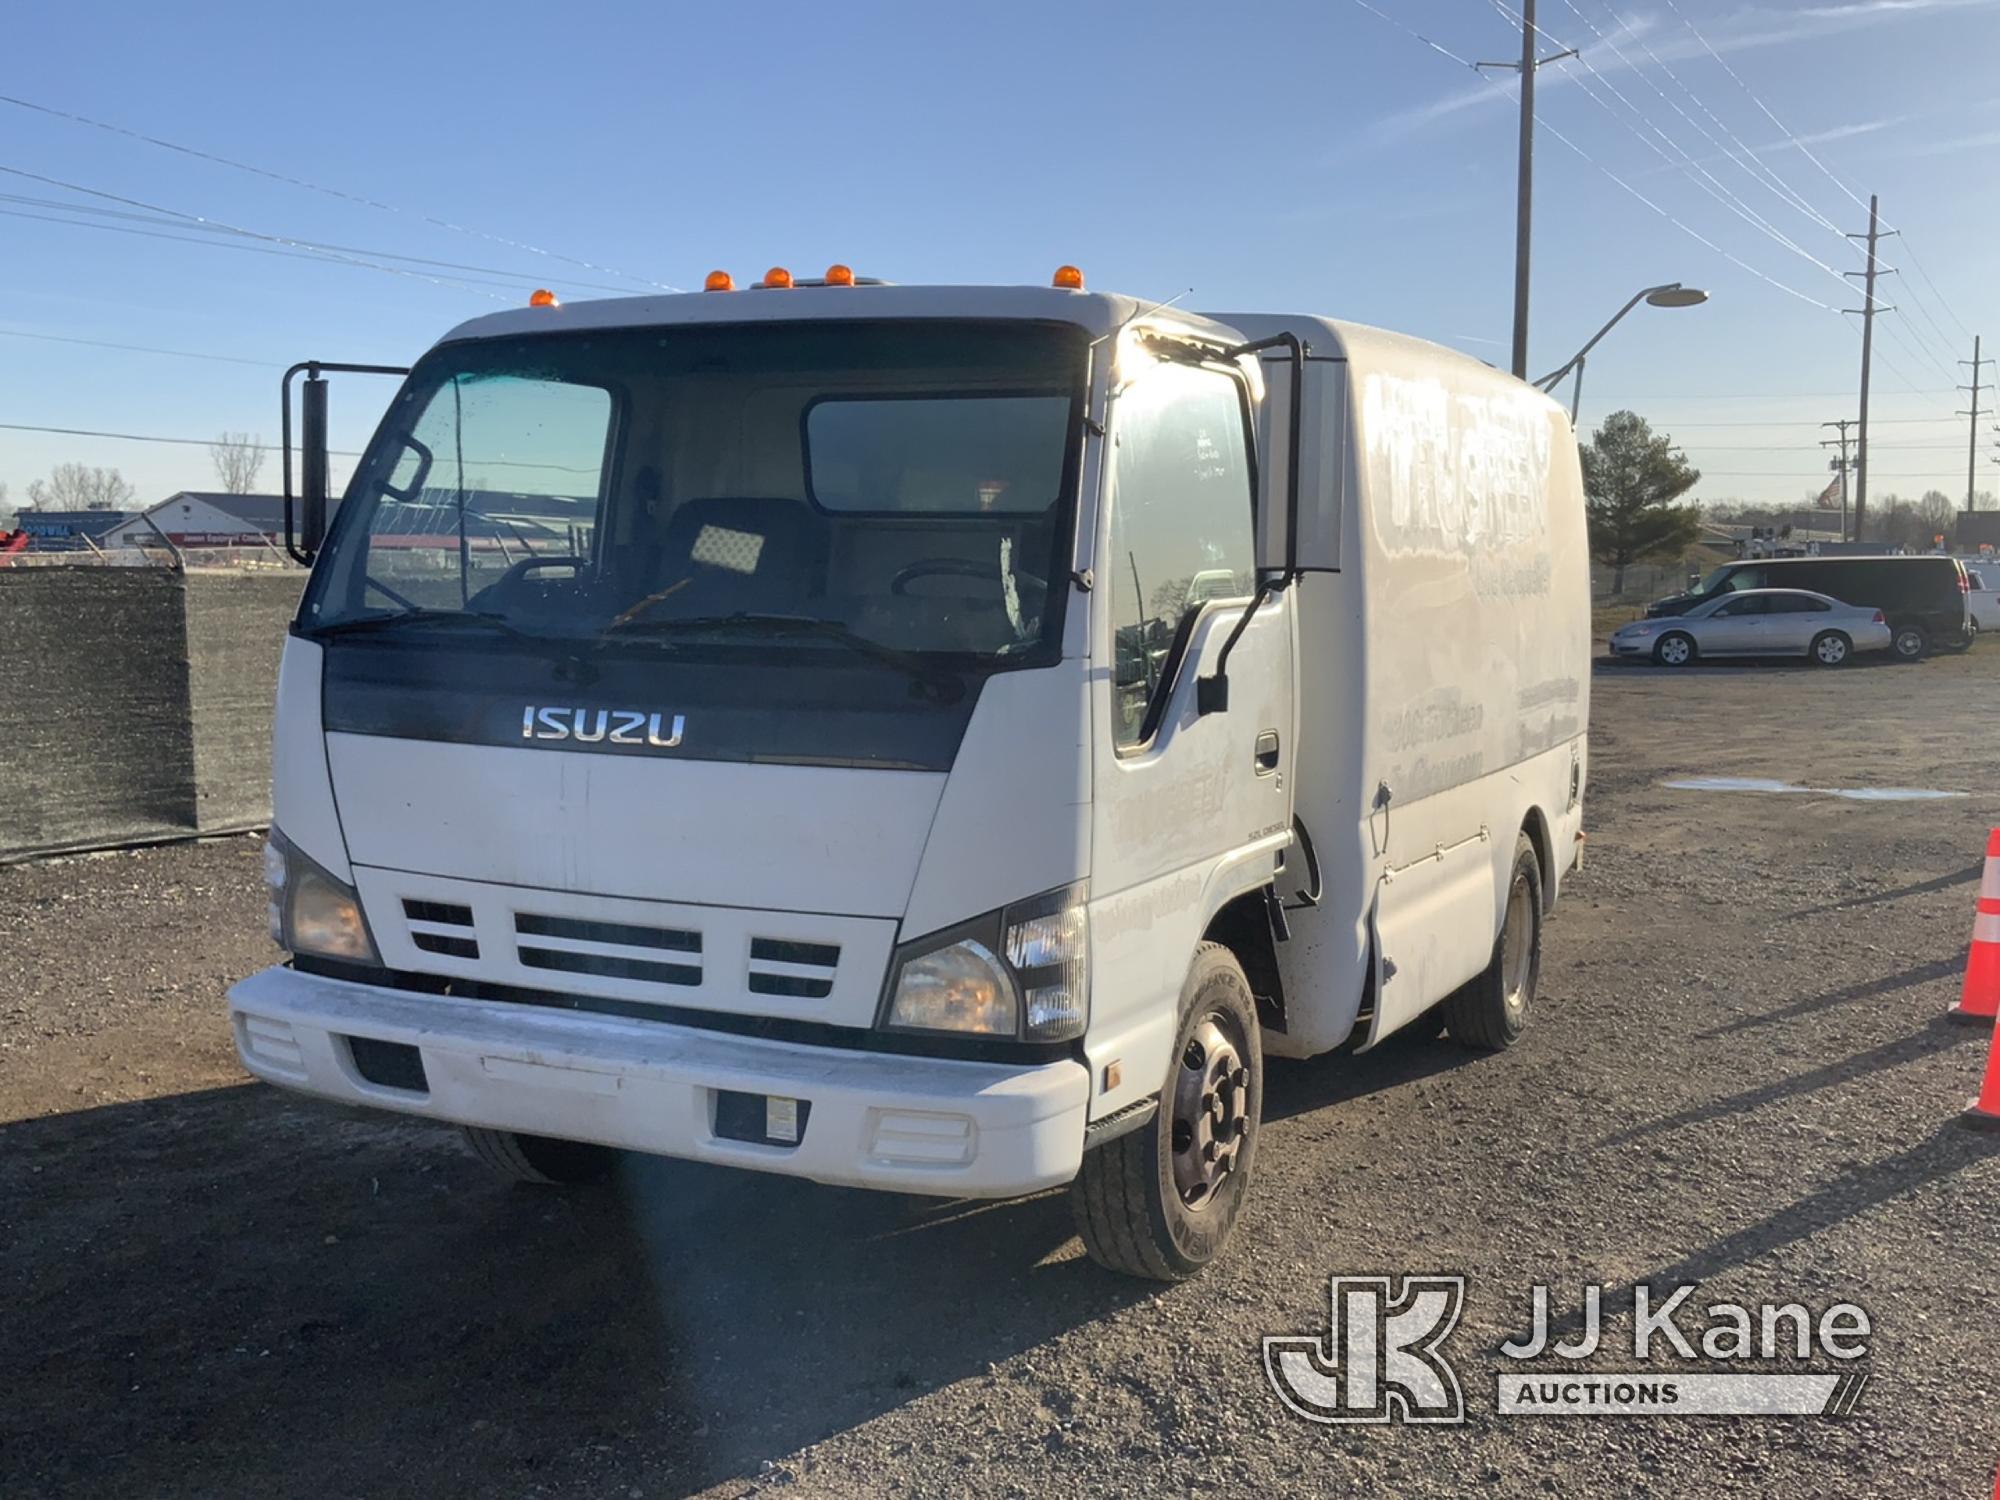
{"x": 761, "y": 1119}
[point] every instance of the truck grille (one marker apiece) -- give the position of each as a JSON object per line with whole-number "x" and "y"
{"x": 442, "y": 927}
{"x": 779, "y": 966}
{"x": 617, "y": 950}
{"x": 643, "y": 956}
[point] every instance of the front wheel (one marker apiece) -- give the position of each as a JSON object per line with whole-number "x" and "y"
{"x": 1676, "y": 649}
{"x": 1161, "y": 1201}
{"x": 540, "y": 1159}
{"x": 1831, "y": 649}
{"x": 1492, "y": 1011}
{"x": 1910, "y": 643}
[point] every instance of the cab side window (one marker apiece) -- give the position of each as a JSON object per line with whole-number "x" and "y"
{"x": 1739, "y": 607}
{"x": 1181, "y": 516}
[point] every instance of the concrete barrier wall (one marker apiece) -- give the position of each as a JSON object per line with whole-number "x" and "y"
{"x": 235, "y": 633}
{"x": 135, "y": 703}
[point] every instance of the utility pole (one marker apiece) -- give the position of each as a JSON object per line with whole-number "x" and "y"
{"x": 1868, "y": 311}
{"x": 1524, "y": 186}
{"x": 1840, "y": 465}
{"x": 1972, "y": 440}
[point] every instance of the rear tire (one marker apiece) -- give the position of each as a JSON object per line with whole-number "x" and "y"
{"x": 1831, "y": 649}
{"x": 1492, "y": 1011}
{"x": 1675, "y": 649}
{"x": 1161, "y": 1202}
{"x": 540, "y": 1159}
{"x": 1910, "y": 643}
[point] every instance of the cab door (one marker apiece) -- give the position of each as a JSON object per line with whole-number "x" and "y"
{"x": 1188, "y": 809}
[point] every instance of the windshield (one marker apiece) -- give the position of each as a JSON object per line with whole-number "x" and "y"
{"x": 1733, "y": 579}
{"x": 897, "y": 485}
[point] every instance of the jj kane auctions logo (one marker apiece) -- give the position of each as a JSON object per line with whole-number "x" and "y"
{"x": 1382, "y": 1358}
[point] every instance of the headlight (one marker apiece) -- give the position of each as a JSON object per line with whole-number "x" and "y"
{"x": 959, "y": 988}
{"x": 310, "y": 911}
{"x": 958, "y": 981}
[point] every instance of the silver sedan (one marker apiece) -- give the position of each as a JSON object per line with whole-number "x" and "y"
{"x": 1757, "y": 622}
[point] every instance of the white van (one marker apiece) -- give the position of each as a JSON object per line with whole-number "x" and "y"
{"x": 937, "y": 739}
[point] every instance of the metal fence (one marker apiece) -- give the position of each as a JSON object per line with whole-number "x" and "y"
{"x": 135, "y": 703}
{"x": 1643, "y": 582}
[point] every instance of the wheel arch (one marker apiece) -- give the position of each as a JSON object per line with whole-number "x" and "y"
{"x": 1243, "y": 926}
{"x": 1536, "y": 826}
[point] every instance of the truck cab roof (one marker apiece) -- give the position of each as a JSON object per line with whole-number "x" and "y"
{"x": 1097, "y": 313}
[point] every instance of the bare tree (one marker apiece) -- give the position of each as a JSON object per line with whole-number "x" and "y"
{"x": 237, "y": 457}
{"x": 80, "y": 487}
{"x": 1938, "y": 511}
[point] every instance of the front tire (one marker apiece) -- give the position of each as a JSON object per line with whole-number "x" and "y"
{"x": 1831, "y": 649}
{"x": 1492, "y": 1011}
{"x": 1910, "y": 643}
{"x": 1161, "y": 1202}
{"x": 540, "y": 1159}
{"x": 1675, "y": 649}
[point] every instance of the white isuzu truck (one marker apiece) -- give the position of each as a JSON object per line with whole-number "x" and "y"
{"x": 939, "y": 739}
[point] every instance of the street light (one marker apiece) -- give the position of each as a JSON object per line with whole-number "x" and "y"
{"x": 1673, "y": 294}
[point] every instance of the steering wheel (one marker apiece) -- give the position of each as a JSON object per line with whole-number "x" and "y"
{"x": 511, "y": 580}
{"x": 954, "y": 567}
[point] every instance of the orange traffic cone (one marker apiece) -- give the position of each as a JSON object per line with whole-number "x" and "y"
{"x": 1979, "y": 1000}
{"x": 1983, "y": 1113}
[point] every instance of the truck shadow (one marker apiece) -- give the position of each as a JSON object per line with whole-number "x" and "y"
{"x": 230, "y": 1291}
{"x": 1417, "y": 1051}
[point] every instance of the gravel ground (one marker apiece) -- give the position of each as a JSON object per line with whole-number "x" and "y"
{"x": 1738, "y": 1076}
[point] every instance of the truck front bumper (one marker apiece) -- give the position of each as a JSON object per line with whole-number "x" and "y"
{"x": 877, "y": 1120}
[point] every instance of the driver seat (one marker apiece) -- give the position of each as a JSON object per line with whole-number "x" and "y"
{"x": 721, "y": 556}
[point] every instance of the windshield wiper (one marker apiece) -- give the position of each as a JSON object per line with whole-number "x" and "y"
{"x": 482, "y": 619}
{"x": 941, "y": 685}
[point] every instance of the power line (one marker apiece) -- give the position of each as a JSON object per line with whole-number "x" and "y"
{"x": 227, "y": 243}
{"x": 276, "y": 239}
{"x": 60, "y": 338}
{"x": 1790, "y": 136}
{"x": 142, "y": 437}
{"x": 1692, "y": 234}
{"x": 1706, "y": 181}
{"x": 1877, "y": 422}
{"x": 1688, "y": 163}
{"x": 526, "y": 277}
{"x": 1750, "y": 160}
{"x": 1794, "y": 447}
{"x": 194, "y": 442}
{"x": 331, "y": 192}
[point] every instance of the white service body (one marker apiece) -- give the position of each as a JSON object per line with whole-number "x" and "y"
{"x": 1413, "y": 700}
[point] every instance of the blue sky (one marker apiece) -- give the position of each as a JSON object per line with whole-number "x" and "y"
{"x": 1309, "y": 156}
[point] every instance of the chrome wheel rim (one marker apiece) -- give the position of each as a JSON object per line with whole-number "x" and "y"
{"x": 1211, "y": 1121}
{"x": 1517, "y": 946}
{"x": 1673, "y": 651}
{"x": 1908, "y": 643}
{"x": 1833, "y": 651}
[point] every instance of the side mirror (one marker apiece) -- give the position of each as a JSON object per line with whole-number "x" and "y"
{"x": 306, "y": 529}
{"x": 312, "y": 463}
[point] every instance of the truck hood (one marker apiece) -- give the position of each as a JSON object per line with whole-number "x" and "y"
{"x": 838, "y": 840}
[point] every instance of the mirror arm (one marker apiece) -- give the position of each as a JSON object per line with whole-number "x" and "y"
{"x": 1212, "y": 692}
{"x": 311, "y": 465}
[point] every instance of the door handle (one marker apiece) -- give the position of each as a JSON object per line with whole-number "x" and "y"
{"x": 1267, "y": 752}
